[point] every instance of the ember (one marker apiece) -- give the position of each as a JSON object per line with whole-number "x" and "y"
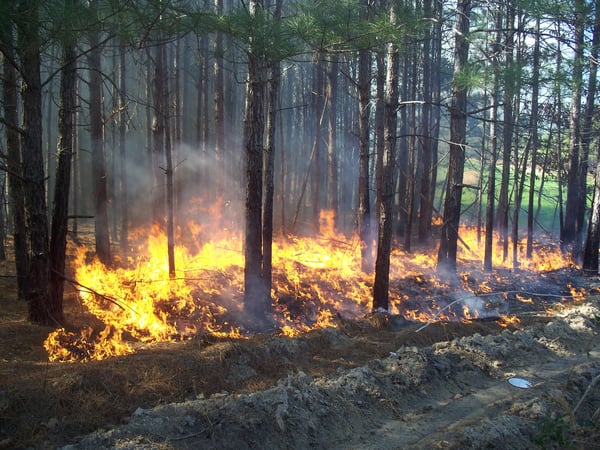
{"x": 316, "y": 281}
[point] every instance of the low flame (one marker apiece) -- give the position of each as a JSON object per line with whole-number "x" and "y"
{"x": 315, "y": 281}
{"x": 506, "y": 321}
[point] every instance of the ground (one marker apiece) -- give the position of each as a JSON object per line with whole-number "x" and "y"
{"x": 374, "y": 382}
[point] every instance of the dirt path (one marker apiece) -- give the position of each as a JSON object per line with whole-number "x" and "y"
{"x": 478, "y": 409}
{"x": 452, "y": 394}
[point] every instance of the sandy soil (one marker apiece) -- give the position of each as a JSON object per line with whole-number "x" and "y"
{"x": 376, "y": 382}
{"x": 452, "y": 394}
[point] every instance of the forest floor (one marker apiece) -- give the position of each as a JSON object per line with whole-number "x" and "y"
{"x": 374, "y": 382}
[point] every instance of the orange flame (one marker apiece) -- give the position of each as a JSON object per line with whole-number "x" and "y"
{"x": 505, "y": 321}
{"x": 315, "y": 280}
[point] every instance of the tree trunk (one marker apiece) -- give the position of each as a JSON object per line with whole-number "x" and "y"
{"x": 507, "y": 134}
{"x": 403, "y": 158}
{"x": 332, "y": 157}
{"x": 425, "y": 198}
{"x": 60, "y": 212}
{"x": 219, "y": 105}
{"x": 99, "y": 174}
{"x": 123, "y": 115}
{"x": 590, "y": 251}
{"x": 379, "y": 127}
{"x": 42, "y": 308}
{"x": 364, "y": 201}
{"x": 170, "y": 195}
{"x": 534, "y": 138}
{"x": 569, "y": 230}
{"x": 387, "y": 178}
{"x": 436, "y": 69}
{"x": 412, "y": 183}
{"x": 317, "y": 146}
{"x": 269, "y": 166}
{"x": 458, "y": 127}
{"x": 14, "y": 160}
{"x": 158, "y": 136}
{"x": 587, "y": 131}
{"x": 257, "y": 304}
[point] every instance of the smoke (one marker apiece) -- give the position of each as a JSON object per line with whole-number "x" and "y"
{"x": 480, "y": 306}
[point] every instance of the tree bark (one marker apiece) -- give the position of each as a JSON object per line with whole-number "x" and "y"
{"x": 569, "y": 230}
{"x": 14, "y": 160}
{"x": 332, "y": 157}
{"x": 269, "y": 165}
{"x": 123, "y": 116}
{"x": 590, "y": 250}
{"x": 364, "y": 201}
{"x": 60, "y": 212}
{"x": 426, "y": 199}
{"x": 170, "y": 194}
{"x": 534, "y": 139}
{"x": 99, "y": 174}
{"x": 321, "y": 106}
{"x": 587, "y": 132}
{"x": 507, "y": 132}
{"x": 257, "y": 304}
{"x": 387, "y": 179}
{"x": 219, "y": 105}
{"x": 42, "y": 309}
{"x": 458, "y": 123}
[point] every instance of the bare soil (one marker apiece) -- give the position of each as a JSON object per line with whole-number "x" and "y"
{"x": 376, "y": 382}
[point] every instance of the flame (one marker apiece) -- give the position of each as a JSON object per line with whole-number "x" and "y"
{"x": 544, "y": 258}
{"x": 577, "y": 294}
{"x": 505, "y": 321}
{"x": 316, "y": 280}
{"x": 523, "y": 299}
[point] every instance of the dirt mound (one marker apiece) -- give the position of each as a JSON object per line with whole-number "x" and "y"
{"x": 447, "y": 394}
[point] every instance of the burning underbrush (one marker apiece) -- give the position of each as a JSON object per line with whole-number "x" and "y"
{"x": 317, "y": 283}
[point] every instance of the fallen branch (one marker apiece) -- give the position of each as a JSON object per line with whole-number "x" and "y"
{"x": 587, "y": 391}
{"x": 108, "y": 299}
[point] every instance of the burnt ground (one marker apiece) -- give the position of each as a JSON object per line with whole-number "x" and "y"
{"x": 375, "y": 382}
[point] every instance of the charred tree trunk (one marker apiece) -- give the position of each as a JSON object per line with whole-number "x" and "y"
{"x": 123, "y": 116}
{"x": 387, "y": 178}
{"x": 269, "y": 167}
{"x": 170, "y": 195}
{"x": 507, "y": 132}
{"x": 14, "y": 160}
{"x": 99, "y": 174}
{"x": 42, "y": 308}
{"x": 332, "y": 157}
{"x": 257, "y": 300}
{"x": 60, "y": 212}
{"x": 364, "y": 201}
{"x": 219, "y": 105}
{"x": 569, "y": 230}
{"x": 158, "y": 137}
{"x": 317, "y": 146}
{"x": 587, "y": 131}
{"x": 379, "y": 127}
{"x": 436, "y": 67}
{"x": 590, "y": 251}
{"x": 426, "y": 199}
{"x": 458, "y": 125}
{"x": 534, "y": 139}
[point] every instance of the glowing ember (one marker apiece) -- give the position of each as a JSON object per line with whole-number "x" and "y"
{"x": 316, "y": 280}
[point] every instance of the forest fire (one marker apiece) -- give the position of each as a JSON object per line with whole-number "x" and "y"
{"x": 316, "y": 281}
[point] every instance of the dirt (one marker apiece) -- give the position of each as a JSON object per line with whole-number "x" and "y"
{"x": 375, "y": 382}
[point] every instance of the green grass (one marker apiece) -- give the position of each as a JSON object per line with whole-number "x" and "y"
{"x": 546, "y": 206}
